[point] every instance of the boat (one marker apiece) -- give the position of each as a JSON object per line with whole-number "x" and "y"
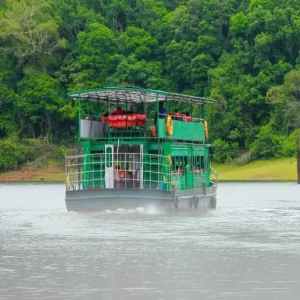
{"x": 137, "y": 148}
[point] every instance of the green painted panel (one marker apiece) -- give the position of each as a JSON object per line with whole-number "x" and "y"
{"x": 167, "y": 149}
{"x": 179, "y": 152}
{"x": 188, "y": 131}
{"x": 198, "y": 152}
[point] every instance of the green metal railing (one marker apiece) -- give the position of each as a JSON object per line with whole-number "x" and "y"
{"x": 129, "y": 171}
{"x": 97, "y": 130}
{"x": 121, "y": 170}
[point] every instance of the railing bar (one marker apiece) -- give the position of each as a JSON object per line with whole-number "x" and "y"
{"x": 90, "y": 164}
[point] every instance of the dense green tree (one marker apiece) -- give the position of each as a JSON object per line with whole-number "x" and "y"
{"x": 137, "y": 41}
{"x": 8, "y": 77}
{"x": 134, "y": 72}
{"x": 286, "y": 98}
{"x": 245, "y": 54}
{"x": 73, "y": 18}
{"x": 92, "y": 59}
{"x": 38, "y": 106}
{"x": 29, "y": 31}
{"x": 265, "y": 48}
{"x": 121, "y": 13}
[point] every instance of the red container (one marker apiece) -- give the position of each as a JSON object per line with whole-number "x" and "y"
{"x": 129, "y": 120}
{"x": 119, "y": 120}
{"x": 187, "y": 118}
{"x": 112, "y": 120}
{"x": 123, "y": 120}
{"x": 122, "y": 174}
{"x": 133, "y": 122}
{"x": 178, "y": 116}
{"x": 141, "y": 119}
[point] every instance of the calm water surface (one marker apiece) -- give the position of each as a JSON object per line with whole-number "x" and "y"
{"x": 248, "y": 248}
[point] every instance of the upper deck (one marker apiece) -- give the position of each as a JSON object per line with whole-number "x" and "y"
{"x": 135, "y": 114}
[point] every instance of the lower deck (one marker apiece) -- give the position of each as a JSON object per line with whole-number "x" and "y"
{"x": 111, "y": 199}
{"x": 182, "y": 167}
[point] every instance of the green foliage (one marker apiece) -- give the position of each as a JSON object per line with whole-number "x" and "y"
{"x": 12, "y": 154}
{"x": 223, "y": 151}
{"x": 60, "y": 152}
{"x": 269, "y": 144}
{"x": 244, "y": 54}
{"x": 92, "y": 59}
{"x": 40, "y": 101}
{"x": 8, "y": 75}
{"x": 138, "y": 41}
{"x": 29, "y": 31}
{"x": 287, "y": 98}
{"x": 34, "y": 152}
{"x": 291, "y": 144}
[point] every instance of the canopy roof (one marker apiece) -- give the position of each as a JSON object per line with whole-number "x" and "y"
{"x": 134, "y": 95}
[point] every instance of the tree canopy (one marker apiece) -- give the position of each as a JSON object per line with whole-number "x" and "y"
{"x": 245, "y": 54}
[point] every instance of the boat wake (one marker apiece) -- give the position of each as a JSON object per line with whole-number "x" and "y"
{"x": 123, "y": 211}
{"x": 149, "y": 210}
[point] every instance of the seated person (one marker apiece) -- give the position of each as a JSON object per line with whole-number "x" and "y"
{"x": 187, "y": 117}
{"x": 162, "y": 112}
{"x": 177, "y": 115}
{"x": 104, "y": 117}
{"x": 118, "y": 111}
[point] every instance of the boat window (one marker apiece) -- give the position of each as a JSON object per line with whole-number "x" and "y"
{"x": 179, "y": 163}
{"x": 198, "y": 164}
{"x": 201, "y": 162}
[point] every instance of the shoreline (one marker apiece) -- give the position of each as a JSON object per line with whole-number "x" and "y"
{"x": 220, "y": 181}
{"x": 277, "y": 170}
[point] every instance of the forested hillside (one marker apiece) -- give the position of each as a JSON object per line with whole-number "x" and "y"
{"x": 243, "y": 53}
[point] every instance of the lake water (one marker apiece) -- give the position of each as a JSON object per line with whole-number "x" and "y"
{"x": 248, "y": 248}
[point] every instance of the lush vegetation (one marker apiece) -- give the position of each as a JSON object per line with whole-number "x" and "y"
{"x": 283, "y": 169}
{"x": 243, "y": 53}
{"x": 34, "y": 153}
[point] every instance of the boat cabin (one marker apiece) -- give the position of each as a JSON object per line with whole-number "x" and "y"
{"x": 133, "y": 138}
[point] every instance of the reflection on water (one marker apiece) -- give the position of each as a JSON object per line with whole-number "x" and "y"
{"x": 248, "y": 248}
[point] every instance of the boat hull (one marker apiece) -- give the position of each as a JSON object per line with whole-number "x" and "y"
{"x": 111, "y": 199}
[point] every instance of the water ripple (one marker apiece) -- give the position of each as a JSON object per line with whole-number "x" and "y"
{"x": 248, "y": 248}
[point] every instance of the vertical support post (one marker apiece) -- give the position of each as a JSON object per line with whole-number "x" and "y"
{"x": 150, "y": 170}
{"x": 203, "y": 111}
{"x": 141, "y": 166}
{"x": 67, "y": 174}
{"x": 79, "y": 118}
{"x": 157, "y": 116}
{"x": 298, "y": 164}
{"x": 93, "y": 166}
{"x": 298, "y": 157}
{"x": 79, "y": 171}
{"x": 200, "y": 111}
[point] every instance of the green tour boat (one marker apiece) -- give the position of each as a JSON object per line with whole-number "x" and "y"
{"x": 140, "y": 148}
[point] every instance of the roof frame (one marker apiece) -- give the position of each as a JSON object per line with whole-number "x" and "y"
{"x": 134, "y": 95}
